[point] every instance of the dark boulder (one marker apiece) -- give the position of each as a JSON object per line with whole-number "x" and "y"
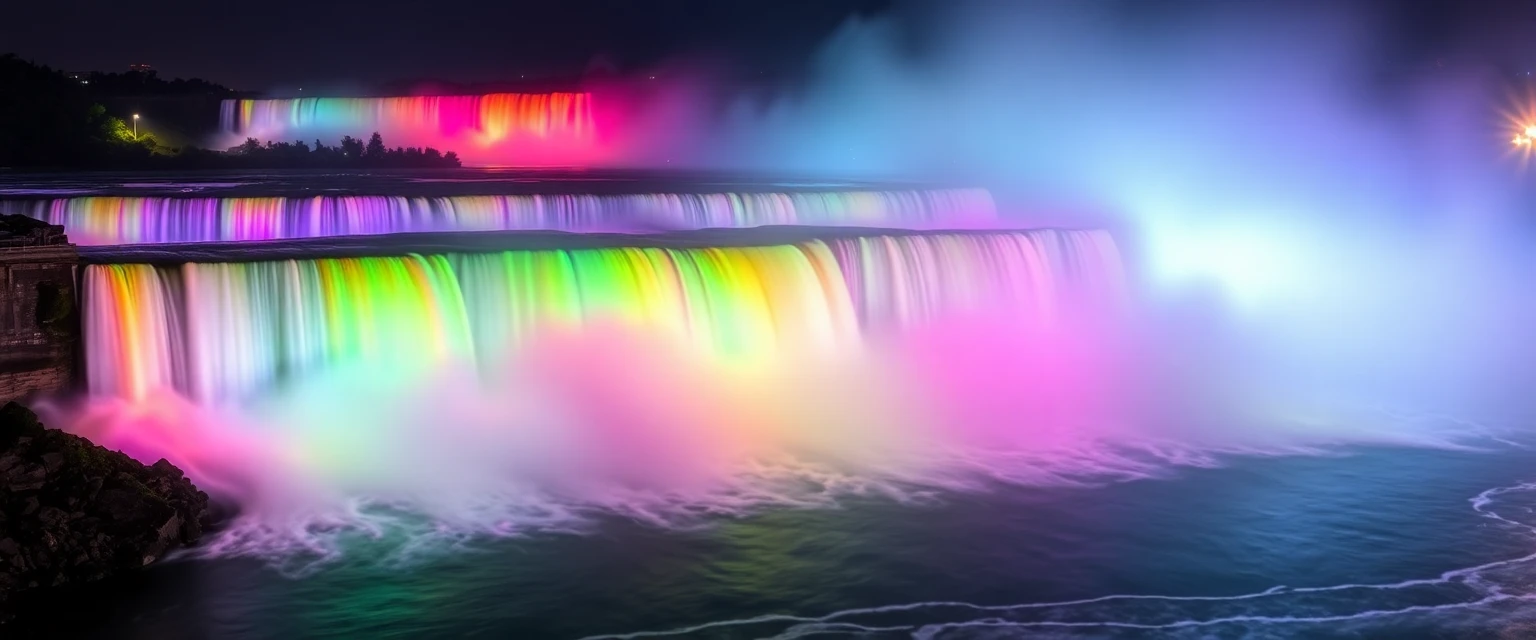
{"x": 73, "y": 512}
{"x": 17, "y": 230}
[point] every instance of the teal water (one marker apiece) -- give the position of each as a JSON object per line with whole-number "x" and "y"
{"x": 1255, "y": 548}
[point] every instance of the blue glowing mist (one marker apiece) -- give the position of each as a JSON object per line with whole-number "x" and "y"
{"x": 1354, "y": 218}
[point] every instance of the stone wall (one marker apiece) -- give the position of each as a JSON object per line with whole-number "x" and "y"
{"x": 39, "y": 325}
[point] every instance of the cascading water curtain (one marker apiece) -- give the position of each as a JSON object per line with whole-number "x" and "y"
{"x": 221, "y": 332}
{"x": 495, "y": 116}
{"x": 502, "y": 128}
{"x": 140, "y": 220}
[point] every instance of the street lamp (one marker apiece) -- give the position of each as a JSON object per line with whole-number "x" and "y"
{"x": 135, "y": 126}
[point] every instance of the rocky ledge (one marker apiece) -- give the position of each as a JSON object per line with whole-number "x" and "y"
{"x": 17, "y": 230}
{"x": 73, "y": 512}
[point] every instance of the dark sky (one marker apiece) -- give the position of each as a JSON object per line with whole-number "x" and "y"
{"x": 256, "y": 45}
{"x": 288, "y": 43}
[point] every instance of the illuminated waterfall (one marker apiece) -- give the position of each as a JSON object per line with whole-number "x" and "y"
{"x": 500, "y": 128}
{"x": 135, "y": 220}
{"x": 219, "y": 332}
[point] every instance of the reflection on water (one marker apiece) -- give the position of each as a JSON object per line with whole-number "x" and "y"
{"x": 1227, "y": 538}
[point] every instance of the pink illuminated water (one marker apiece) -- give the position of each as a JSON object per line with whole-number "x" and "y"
{"x": 651, "y": 382}
{"x": 555, "y": 129}
{"x": 216, "y": 332}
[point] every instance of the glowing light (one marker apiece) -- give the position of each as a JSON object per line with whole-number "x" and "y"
{"x": 219, "y": 332}
{"x": 134, "y": 220}
{"x": 501, "y": 128}
{"x": 1252, "y": 265}
{"x": 1521, "y": 119}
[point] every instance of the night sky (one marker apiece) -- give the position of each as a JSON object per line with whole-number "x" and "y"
{"x": 287, "y": 43}
{"x": 271, "y": 43}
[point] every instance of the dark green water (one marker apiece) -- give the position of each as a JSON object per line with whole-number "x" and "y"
{"x": 1213, "y": 540}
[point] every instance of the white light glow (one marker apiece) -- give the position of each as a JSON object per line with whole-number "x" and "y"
{"x": 1251, "y": 266}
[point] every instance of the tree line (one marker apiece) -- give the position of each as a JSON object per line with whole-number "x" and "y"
{"x": 49, "y": 120}
{"x": 148, "y": 83}
{"x": 351, "y": 152}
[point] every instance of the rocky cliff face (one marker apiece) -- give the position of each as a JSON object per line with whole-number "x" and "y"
{"x": 71, "y": 511}
{"x": 39, "y": 326}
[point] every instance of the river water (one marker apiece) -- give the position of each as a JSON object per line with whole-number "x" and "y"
{"x": 1373, "y": 543}
{"x": 1339, "y": 542}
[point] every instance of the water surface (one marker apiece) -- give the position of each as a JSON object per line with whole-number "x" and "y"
{"x": 1256, "y": 548}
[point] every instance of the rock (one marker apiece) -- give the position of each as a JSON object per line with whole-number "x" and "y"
{"x": 17, "y": 230}
{"x": 26, "y": 478}
{"x": 165, "y": 468}
{"x": 52, "y": 517}
{"x": 73, "y": 512}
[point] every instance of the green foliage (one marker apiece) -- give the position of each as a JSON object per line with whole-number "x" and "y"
{"x": 50, "y": 120}
{"x": 115, "y": 129}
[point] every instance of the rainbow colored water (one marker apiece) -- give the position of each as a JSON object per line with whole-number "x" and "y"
{"x": 555, "y": 129}
{"x": 493, "y": 393}
{"x": 221, "y": 332}
{"x": 114, "y": 220}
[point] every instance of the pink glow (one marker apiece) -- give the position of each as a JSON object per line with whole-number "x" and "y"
{"x": 744, "y": 376}
{"x": 530, "y": 130}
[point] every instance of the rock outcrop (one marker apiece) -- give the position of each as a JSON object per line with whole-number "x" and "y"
{"x": 20, "y": 231}
{"x": 72, "y": 512}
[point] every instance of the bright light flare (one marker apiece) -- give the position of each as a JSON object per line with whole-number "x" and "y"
{"x": 1521, "y": 119}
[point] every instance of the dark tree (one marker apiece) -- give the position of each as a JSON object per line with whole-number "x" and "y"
{"x": 147, "y": 83}
{"x": 352, "y": 147}
{"x": 253, "y": 154}
{"x": 49, "y": 120}
{"x": 376, "y": 149}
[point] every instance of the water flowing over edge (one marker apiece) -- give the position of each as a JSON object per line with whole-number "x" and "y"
{"x": 426, "y": 398}
{"x": 113, "y": 220}
{"x": 665, "y": 384}
{"x": 550, "y": 129}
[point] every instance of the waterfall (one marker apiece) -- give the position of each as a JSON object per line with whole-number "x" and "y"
{"x": 112, "y": 220}
{"x": 519, "y": 129}
{"x": 221, "y": 332}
